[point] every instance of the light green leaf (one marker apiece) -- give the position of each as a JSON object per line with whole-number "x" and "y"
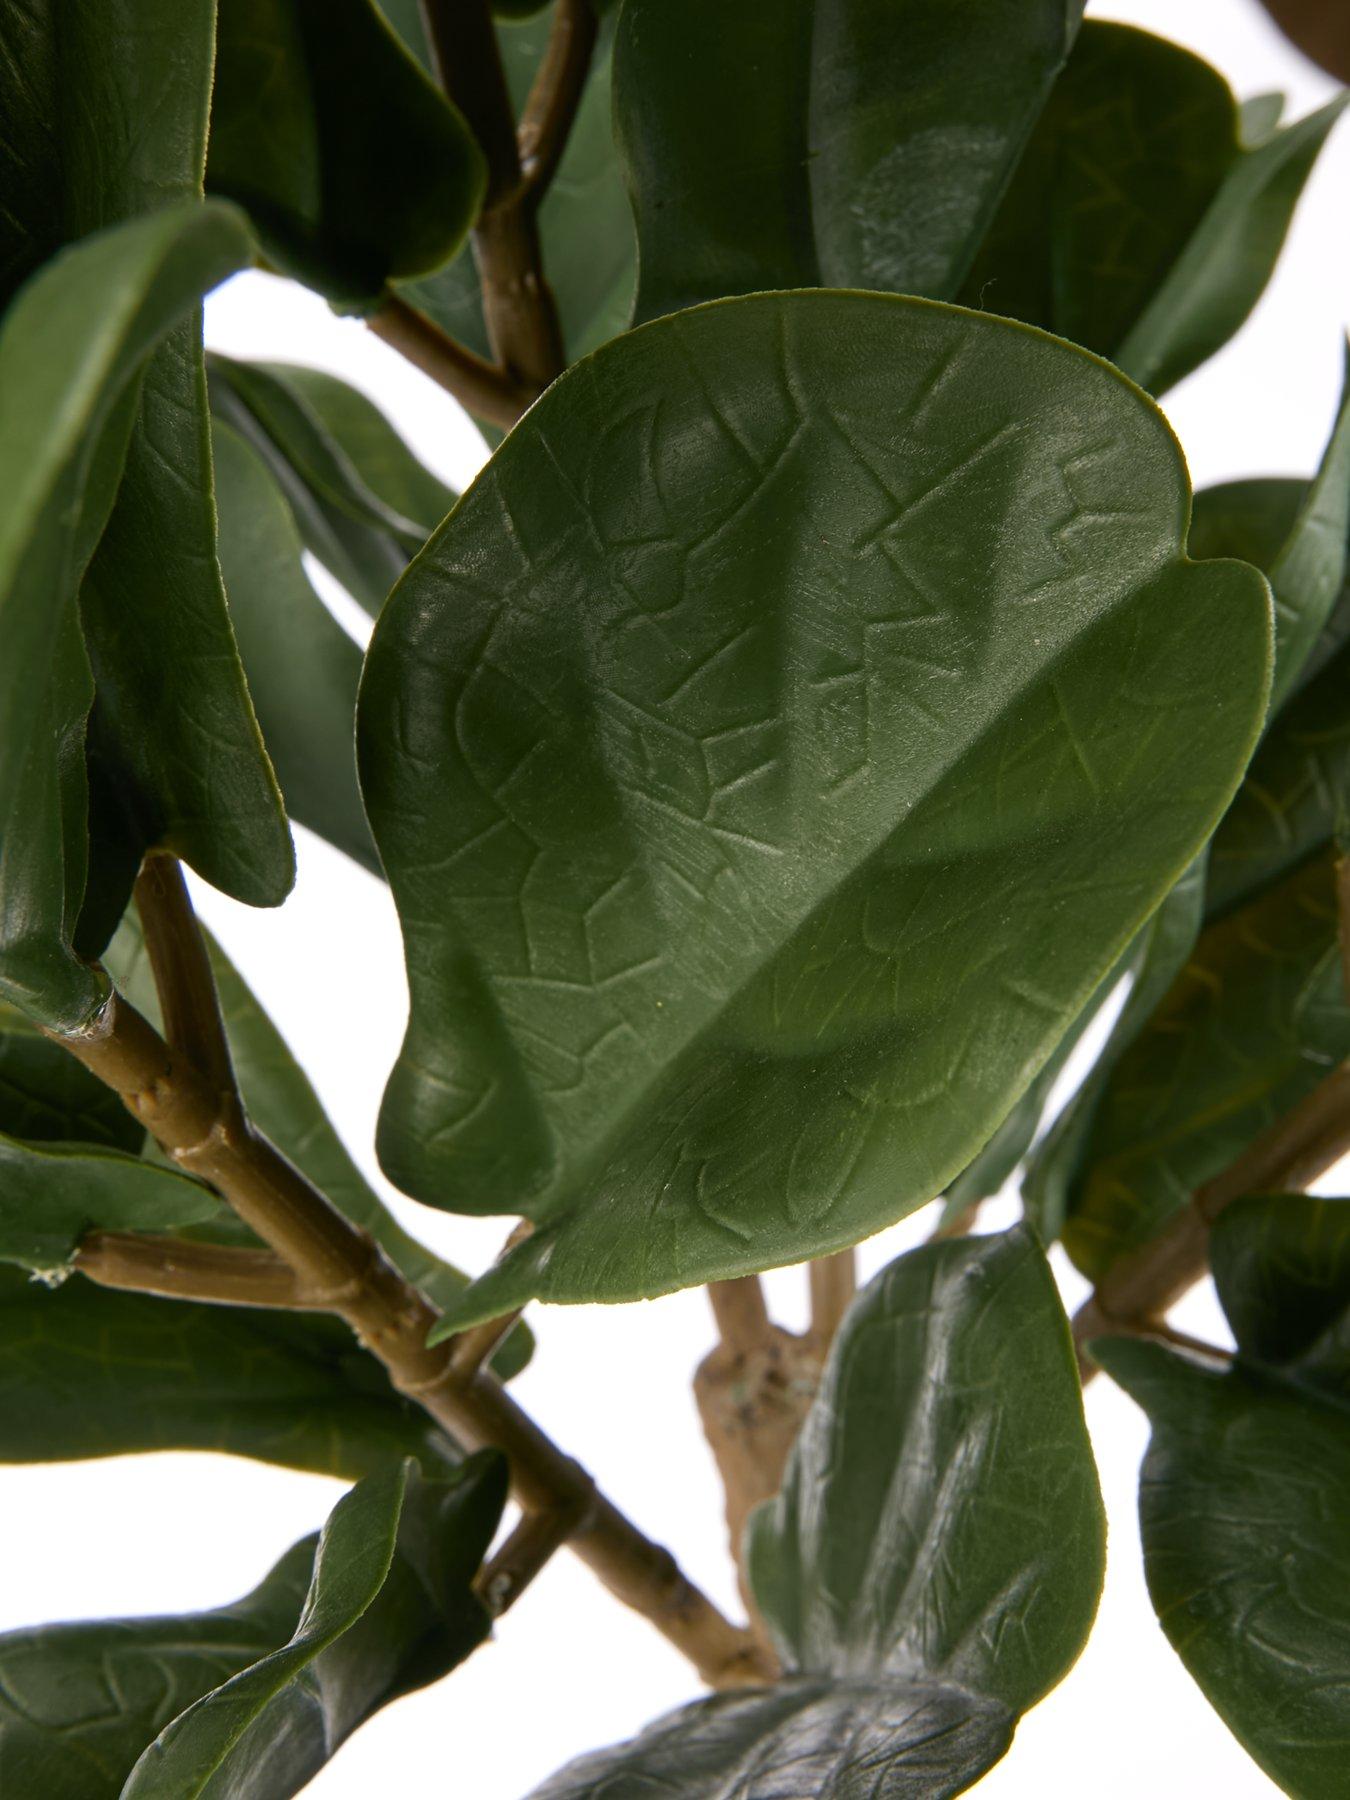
{"x": 1136, "y": 138}
{"x": 824, "y": 143}
{"x": 1245, "y": 1488}
{"x": 915, "y": 1535}
{"x": 71, "y": 349}
{"x": 282, "y": 1103}
{"x": 88, "y": 1372}
{"x": 927, "y": 1572}
{"x": 830, "y": 1740}
{"x": 345, "y": 197}
{"x": 1223, "y": 271}
{"x": 303, "y": 669}
{"x": 1254, "y": 1021}
{"x": 736, "y": 779}
{"x": 389, "y": 1608}
{"x": 388, "y": 1580}
{"x": 585, "y": 222}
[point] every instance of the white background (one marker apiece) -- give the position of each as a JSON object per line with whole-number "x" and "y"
{"x": 570, "y": 1669}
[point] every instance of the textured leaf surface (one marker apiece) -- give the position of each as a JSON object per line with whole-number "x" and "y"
{"x": 918, "y": 1531}
{"x": 88, "y": 1372}
{"x": 387, "y": 1587}
{"x": 868, "y": 148}
{"x": 71, "y": 347}
{"x": 772, "y": 630}
{"x": 1246, "y": 1488}
{"x": 303, "y": 669}
{"x": 344, "y": 197}
{"x": 389, "y": 1608}
{"x": 931, "y": 1566}
{"x": 585, "y": 222}
{"x": 1254, "y": 1021}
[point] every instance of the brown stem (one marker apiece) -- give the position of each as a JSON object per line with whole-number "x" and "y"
{"x": 1342, "y": 874}
{"x": 834, "y": 1282}
{"x": 182, "y": 970}
{"x": 556, "y": 93}
{"x": 506, "y": 1574}
{"x": 1287, "y": 1158}
{"x": 518, "y": 307}
{"x": 481, "y": 388}
{"x": 741, "y": 1315}
{"x": 178, "y": 1269}
{"x": 342, "y": 1269}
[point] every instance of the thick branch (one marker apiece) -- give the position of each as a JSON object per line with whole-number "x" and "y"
{"x": 486, "y": 391}
{"x": 1296, "y": 1151}
{"x": 342, "y": 1269}
{"x": 178, "y": 1269}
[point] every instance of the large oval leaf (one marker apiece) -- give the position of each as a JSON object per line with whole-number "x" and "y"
{"x": 769, "y": 756}
{"x": 832, "y": 143}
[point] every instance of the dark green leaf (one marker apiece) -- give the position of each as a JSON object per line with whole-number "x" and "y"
{"x": 88, "y": 1372}
{"x": 681, "y": 743}
{"x": 1134, "y": 142}
{"x": 282, "y": 1103}
{"x": 389, "y": 1608}
{"x": 303, "y": 669}
{"x": 71, "y": 349}
{"x": 1246, "y": 1485}
{"x": 387, "y": 1586}
{"x": 854, "y": 1740}
{"x": 1254, "y": 1021}
{"x": 346, "y": 197}
{"x": 1223, "y": 271}
{"x": 928, "y": 1572}
{"x": 824, "y": 143}
{"x": 51, "y": 1194}
{"x": 340, "y": 518}
{"x": 915, "y": 1534}
{"x": 585, "y": 222}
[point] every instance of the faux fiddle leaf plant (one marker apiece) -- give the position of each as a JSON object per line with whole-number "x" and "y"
{"x": 828, "y": 694}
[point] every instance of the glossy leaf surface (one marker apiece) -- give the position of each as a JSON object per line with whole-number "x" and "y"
{"x": 72, "y": 346}
{"x": 389, "y": 1608}
{"x": 585, "y": 222}
{"x": 1255, "y": 1020}
{"x": 927, "y": 1572}
{"x": 1245, "y": 1488}
{"x": 303, "y": 669}
{"x": 869, "y": 149}
{"x": 387, "y": 1589}
{"x": 88, "y": 1372}
{"x": 344, "y": 197}
{"x": 678, "y": 745}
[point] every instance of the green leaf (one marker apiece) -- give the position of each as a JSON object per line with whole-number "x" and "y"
{"x": 47, "y": 1096}
{"x": 734, "y": 779}
{"x": 927, "y": 1572}
{"x": 345, "y": 197}
{"x": 282, "y": 1102}
{"x": 915, "y": 1535}
{"x": 88, "y": 1372}
{"x": 354, "y": 533}
{"x": 831, "y": 1740}
{"x": 1254, "y": 1021}
{"x": 1244, "y": 1489}
{"x": 389, "y": 1581}
{"x": 1135, "y": 140}
{"x": 1221, "y": 274}
{"x": 585, "y": 222}
{"x": 71, "y": 349}
{"x": 824, "y": 143}
{"x": 389, "y": 1608}
{"x": 303, "y": 669}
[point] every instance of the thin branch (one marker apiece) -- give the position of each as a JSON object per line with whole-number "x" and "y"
{"x": 178, "y": 1269}
{"x": 1294, "y": 1152}
{"x": 182, "y": 969}
{"x": 834, "y": 1281}
{"x": 506, "y": 1575}
{"x": 742, "y": 1317}
{"x": 480, "y": 387}
{"x": 340, "y": 1268}
{"x": 556, "y": 94}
